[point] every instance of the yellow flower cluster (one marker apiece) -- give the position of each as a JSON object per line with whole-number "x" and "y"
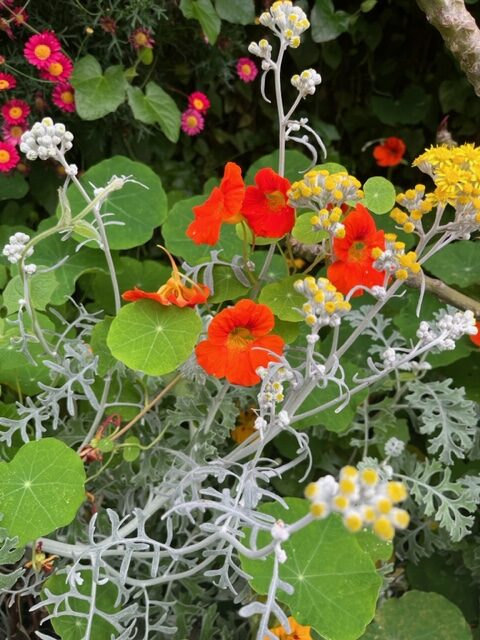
{"x": 327, "y": 220}
{"x": 394, "y": 259}
{"x": 325, "y": 304}
{"x": 417, "y": 205}
{"x": 362, "y": 499}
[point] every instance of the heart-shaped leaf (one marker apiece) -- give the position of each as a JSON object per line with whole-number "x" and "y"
{"x": 155, "y": 106}
{"x": 97, "y": 93}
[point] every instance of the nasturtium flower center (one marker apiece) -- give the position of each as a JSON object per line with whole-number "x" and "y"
{"x": 276, "y": 200}
{"x": 239, "y": 338}
{"x": 15, "y": 112}
{"x": 42, "y": 51}
{"x": 4, "y": 156}
{"x": 357, "y": 251}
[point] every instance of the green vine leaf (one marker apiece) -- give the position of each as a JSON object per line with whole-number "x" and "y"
{"x": 203, "y": 11}
{"x": 149, "y": 337}
{"x": 155, "y": 106}
{"x": 97, "y": 93}
{"x": 41, "y": 489}
{"x": 335, "y": 580}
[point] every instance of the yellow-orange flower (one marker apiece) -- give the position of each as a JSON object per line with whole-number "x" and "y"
{"x": 298, "y": 631}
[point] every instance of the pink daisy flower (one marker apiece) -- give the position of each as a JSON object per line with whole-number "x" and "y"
{"x": 58, "y": 69}
{"x": 13, "y": 132}
{"x": 142, "y": 38}
{"x": 40, "y": 48}
{"x": 9, "y": 157}
{"x": 199, "y": 101}
{"x": 15, "y": 111}
{"x": 20, "y": 16}
{"x": 7, "y": 81}
{"x": 63, "y": 96}
{"x": 246, "y": 69}
{"x": 192, "y": 122}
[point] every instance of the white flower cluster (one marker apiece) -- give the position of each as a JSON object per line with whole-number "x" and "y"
{"x": 306, "y": 82}
{"x": 394, "y": 447}
{"x": 287, "y": 21}
{"x": 273, "y": 379}
{"x": 15, "y": 248}
{"x": 325, "y": 306}
{"x": 362, "y": 498}
{"x": 263, "y": 50}
{"x": 45, "y": 140}
{"x": 394, "y": 260}
{"x": 449, "y": 327}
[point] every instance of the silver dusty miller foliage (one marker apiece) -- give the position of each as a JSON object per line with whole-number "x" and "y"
{"x": 179, "y": 519}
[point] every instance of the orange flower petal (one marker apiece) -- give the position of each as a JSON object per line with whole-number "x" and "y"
{"x": 265, "y": 206}
{"x": 137, "y": 294}
{"x": 205, "y": 229}
{"x": 233, "y": 189}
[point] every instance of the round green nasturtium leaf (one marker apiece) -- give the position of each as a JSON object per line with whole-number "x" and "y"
{"x": 277, "y": 268}
{"x": 331, "y": 167}
{"x": 180, "y": 245}
{"x": 42, "y": 290}
{"x": 281, "y": 297}
{"x": 226, "y": 285}
{"x": 457, "y": 264}
{"x": 152, "y": 338}
{"x": 287, "y": 330}
{"x": 304, "y": 232}
{"x": 71, "y": 627}
{"x": 243, "y": 231}
{"x": 132, "y": 451}
{"x": 13, "y": 187}
{"x": 97, "y": 93}
{"x": 379, "y": 195}
{"x": 418, "y": 615}
{"x": 335, "y": 582}
{"x": 296, "y": 164}
{"x": 41, "y": 489}
{"x": 140, "y": 208}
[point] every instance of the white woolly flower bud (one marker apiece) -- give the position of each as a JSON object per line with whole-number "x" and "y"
{"x": 260, "y": 423}
{"x": 30, "y": 269}
{"x": 283, "y": 419}
{"x": 279, "y": 531}
{"x": 45, "y": 140}
{"x": 394, "y": 447}
{"x": 306, "y": 82}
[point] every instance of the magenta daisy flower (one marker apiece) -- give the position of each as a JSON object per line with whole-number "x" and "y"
{"x": 64, "y": 97}
{"x": 246, "y": 69}
{"x": 192, "y": 122}
{"x": 13, "y": 132}
{"x": 198, "y": 101}
{"x": 20, "y": 16}
{"x": 40, "y": 48}
{"x": 142, "y": 38}
{"x": 7, "y": 81}
{"x": 9, "y": 157}
{"x": 15, "y": 111}
{"x": 58, "y": 69}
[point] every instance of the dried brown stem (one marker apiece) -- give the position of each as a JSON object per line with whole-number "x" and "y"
{"x": 446, "y": 293}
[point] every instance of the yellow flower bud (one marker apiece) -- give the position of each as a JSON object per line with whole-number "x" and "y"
{"x": 383, "y": 528}
{"x": 353, "y": 521}
{"x": 397, "y": 491}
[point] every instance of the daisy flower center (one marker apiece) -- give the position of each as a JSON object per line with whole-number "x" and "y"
{"x": 246, "y": 69}
{"x": 276, "y": 200}
{"x": 15, "y": 112}
{"x": 67, "y": 97}
{"x": 55, "y": 69}
{"x": 4, "y": 84}
{"x": 4, "y": 156}
{"x": 42, "y": 51}
{"x": 16, "y": 131}
{"x": 141, "y": 39}
{"x": 239, "y": 338}
{"x": 192, "y": 121}
{"x": 356, "y": 251}
{"x": 197, "y": 103}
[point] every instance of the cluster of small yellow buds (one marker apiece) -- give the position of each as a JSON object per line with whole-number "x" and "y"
{"x": 272, "y": 386}
{"x": 263, "y": 50}
{"x": 362, "y": 498}
{"x": 394, "y": 260}
{"x": 287, "y": 21}
{"x": 320, "y": 188}
{"x": 325, "y": 306}
{"x": 329, "y": 220}
{"x": 417, "y": 205}
{"x": 306, "y": 82}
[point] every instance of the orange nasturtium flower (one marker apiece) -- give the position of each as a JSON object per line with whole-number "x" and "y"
{"x": 266, "y": 208}
{"x": 476, "y": 338}
{"x": 174, "y": 291}
{"x": 238, "y": 342}
{"x": 298, "y": 631}
{"x": 354, "y": 263}
{"x": 244, "y": 426}
{"x": 223, "y": 205}
{"x": 390, "y": 152}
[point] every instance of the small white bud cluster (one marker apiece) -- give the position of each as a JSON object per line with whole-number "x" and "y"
{"x": 307, "y": 82}
{"x": 15, "y": 249}
{"x": 362, "y": 498}
{"x": 389, "y": 357}
{"x": 467, "y": 219}
{"x": 394, "y": 447}
{"x": 263, "y": 50}
{"x": 272, "y": 390}
{"x": 287, "y": 21}
{"x": 280, "y": 533}
{"x": 449, "y": 327}
{"x": 45, "y": 140}
{"x": 394, "y": 260}
{"x": 325, "y": 306}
